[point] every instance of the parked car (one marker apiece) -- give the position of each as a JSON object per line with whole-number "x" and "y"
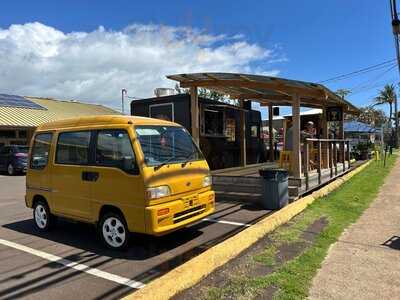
{"x": 13, "y": 159}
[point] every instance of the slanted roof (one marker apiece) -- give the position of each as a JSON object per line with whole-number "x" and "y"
{"x": 265, "y": 89}
{"x": 49, "y": 110}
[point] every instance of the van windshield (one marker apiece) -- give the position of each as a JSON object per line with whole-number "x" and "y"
{"x": 166, "y": 144}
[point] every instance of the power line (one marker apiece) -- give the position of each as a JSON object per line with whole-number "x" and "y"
{"x": 360, "y": 71}
{"x": 372, "y": 81}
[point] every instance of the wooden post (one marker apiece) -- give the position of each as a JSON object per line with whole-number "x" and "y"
{"x": 194, "y": 108}
{"x": 331, "y": 157}
{"x": 335, "y": 152}
{"x": 348, "y": 154}
{"x": 296, "y": 151}
{"x": 325, "y": 146}
{"x": 319, "y": 162}
{"x": 242, "y": 129}
{"x": 271, "y": 133}
{"x": 306, "y": 164}
{"x": 341, "y": 136}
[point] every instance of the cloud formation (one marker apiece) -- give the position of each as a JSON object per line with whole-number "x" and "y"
{"x": 39, "y": 60}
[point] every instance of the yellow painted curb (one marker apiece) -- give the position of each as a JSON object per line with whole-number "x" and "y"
{"x": 194, "y": 270}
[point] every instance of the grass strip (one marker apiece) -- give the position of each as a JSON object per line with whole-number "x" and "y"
{"x": 292, "y": 280}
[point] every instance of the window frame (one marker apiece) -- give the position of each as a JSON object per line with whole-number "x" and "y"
{"x": 90, "y": 151}
{"x": 203, "y": 109}
{"x": 160, "y": 105}
{"x": 33, "y": 147}
{"x": 135, "y": 171}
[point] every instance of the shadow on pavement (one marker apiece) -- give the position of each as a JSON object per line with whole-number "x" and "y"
{"x": 83, "y": 236}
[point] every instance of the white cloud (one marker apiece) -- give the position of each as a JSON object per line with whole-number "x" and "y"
{"x": 93, "y": 66}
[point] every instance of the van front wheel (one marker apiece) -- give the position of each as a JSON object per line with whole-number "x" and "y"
{"x": 114, "y": 231}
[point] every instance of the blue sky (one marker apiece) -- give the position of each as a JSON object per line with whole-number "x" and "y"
{"x": 309, "y": 40}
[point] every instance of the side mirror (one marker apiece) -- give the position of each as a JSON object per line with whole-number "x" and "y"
{"x": 129, "y": 165}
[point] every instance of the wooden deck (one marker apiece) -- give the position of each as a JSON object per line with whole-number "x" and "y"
{"x": 244, "y": 184}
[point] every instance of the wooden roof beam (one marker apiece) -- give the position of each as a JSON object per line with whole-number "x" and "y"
{"x": 261, "y": 96}
{"x": 306, "y": 92}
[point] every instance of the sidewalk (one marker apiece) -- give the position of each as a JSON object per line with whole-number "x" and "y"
{"x": 365, "y": 262}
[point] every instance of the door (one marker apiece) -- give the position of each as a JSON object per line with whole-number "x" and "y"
{"x": 71, "y": 175}
{"x": 119, "y": 183}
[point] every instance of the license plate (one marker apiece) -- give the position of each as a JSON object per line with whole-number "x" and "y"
{"x": 190, "y": 201}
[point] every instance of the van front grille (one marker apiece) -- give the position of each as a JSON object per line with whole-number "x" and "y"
{"x": 189, "y": 213}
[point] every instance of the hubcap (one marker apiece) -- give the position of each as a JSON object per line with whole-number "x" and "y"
{"x": 114, "y": 232}
{"x": 40, "y": 216}
{"x": 10, "y": 169}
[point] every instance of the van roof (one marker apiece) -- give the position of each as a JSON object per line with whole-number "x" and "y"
{"x": 103, "y": 120}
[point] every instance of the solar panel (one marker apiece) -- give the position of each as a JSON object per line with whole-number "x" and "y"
{"x": 18, "y": 101}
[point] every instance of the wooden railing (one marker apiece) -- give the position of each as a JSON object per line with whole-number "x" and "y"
{"x": 330, "y": 159}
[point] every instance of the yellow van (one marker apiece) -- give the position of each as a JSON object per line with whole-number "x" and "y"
{"x": 123, "y": 174}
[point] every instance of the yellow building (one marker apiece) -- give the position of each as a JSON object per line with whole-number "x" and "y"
{"x": 19, "y": 116}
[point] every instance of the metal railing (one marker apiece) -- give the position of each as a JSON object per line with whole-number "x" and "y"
{"x": 330, "y": 159}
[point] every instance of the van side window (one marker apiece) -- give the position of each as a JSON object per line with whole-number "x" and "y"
{"x": 73, "y": 148}
{"x": 114, "y": 149}
{"x": 40, "y": 150}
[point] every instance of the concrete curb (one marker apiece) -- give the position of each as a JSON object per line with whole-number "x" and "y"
{"x": 194, "y": 270}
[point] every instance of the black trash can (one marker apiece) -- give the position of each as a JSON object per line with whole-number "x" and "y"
{"x": 275, "y": 182}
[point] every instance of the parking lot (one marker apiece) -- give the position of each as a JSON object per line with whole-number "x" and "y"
{"x": 70, "y": 262}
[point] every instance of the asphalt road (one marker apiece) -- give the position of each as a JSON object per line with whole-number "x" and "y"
{"x": 70, "y": 263}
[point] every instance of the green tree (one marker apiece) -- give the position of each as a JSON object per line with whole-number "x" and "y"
{"x": 180, "y": 90}
{"x": 386, "y": 96}
{"x": 370, "y": 115}
{"x": 211, "y": 94}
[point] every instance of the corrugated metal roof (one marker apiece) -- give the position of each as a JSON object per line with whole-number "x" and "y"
{"x": 355, "y": 126}
{"x": 56, "y": 110}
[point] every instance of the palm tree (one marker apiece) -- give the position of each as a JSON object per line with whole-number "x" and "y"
{"x": 343, "y": 92}
{"x": 386, "y": 96}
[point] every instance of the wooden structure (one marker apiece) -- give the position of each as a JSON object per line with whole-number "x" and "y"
{"x": 268, "y": 91}
{"x": 217, "y": 131}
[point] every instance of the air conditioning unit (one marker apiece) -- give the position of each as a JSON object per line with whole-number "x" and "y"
{"x": 161, "y": 92}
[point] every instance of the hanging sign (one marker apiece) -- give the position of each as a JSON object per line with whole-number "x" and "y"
{"x": 334, "y": 114}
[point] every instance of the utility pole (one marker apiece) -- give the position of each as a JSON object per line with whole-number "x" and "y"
{"x": 396, "y": 33}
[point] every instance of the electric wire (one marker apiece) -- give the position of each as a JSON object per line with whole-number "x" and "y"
{"x": 360, "y": 71}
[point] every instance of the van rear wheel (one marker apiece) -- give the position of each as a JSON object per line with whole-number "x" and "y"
{"x": 113, "y": 231}
{"x": 41, "y": 215}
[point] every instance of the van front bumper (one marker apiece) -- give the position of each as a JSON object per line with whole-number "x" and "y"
{"x": 181, "y": 212}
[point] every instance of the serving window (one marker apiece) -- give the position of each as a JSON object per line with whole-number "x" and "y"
{"x": 212, "y": 122}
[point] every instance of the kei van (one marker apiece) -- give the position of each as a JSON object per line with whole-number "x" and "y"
{"x": 123, "y": 174}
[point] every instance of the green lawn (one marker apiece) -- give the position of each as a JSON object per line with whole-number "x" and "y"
{"x": 292, "y": 279}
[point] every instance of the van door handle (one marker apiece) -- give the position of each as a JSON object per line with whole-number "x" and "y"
{"x": 90, "y": 176}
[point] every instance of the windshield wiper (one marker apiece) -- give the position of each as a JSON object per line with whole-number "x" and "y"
{"x": 163, "y": 163}
{"x": 187, "y": 159}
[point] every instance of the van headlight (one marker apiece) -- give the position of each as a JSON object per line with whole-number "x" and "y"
{"x": 207, "y": 181}
{"x": 158, "y": 192}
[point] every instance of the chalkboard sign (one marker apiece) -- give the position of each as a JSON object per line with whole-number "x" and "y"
{"x": 334, "y": 114}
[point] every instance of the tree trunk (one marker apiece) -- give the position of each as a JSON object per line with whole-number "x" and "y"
{"x": 390, "y": 114}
